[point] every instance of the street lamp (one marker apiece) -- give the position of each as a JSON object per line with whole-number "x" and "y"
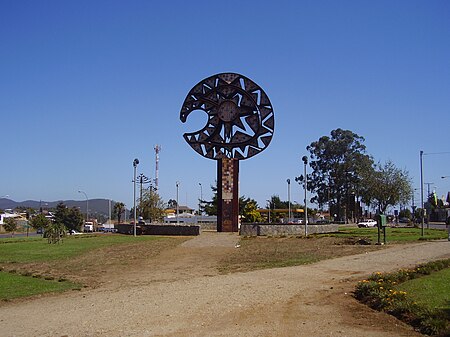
{"x": 421, "y": 192}
{"x": 87, "y": 205}
{"x": 135, "y": 164}
{"x": 305, "y": 162}
{"x": 289, "y": 199}
{"x": 443, "y": 177}
{"x": 201, "y": 198}
{"x": 178, "y": 185}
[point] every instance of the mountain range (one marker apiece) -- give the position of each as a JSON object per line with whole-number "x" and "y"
{"x": 96, "y": 206}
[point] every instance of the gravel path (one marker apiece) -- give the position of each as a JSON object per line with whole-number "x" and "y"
{"x": 185, "y": 298}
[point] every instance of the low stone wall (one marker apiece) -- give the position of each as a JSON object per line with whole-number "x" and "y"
{"x": 269, "y": 229}
{"x": 208, "y": 226}
{"x": 166, "y": 229}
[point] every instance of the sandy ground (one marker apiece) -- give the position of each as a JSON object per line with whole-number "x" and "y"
{"x": 182, "y": 294}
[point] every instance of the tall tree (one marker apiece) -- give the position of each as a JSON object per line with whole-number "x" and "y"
{"x": 152, "y": 206}
{"x": 71, "y": 218}
{"x": 386, "y": 186}
{"x": 337, "y": 163}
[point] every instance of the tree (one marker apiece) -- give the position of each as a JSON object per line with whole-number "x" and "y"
{"x": 210, "y": 207}
{"x": 39, "y": 221}
{"x": 386, "y": 185}
{"x": 172, "y": 204}
{"x": 152, "y": 206}
{"x": 337, "y": 163}
{"x": 10, "y": 225}
{"x": 249, "y": 211}
{"x": 55, "y": 232}
{"x": 119, "y": 209}
{"x": 71, "y": 218}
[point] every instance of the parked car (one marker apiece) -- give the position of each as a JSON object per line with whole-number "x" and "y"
{"x": 367, "y": 223}
{"x": 73, "y": 232}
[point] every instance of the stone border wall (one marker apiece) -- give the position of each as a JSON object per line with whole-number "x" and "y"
{"x": 266, "y": 229}
{"x": 166, "y": 229}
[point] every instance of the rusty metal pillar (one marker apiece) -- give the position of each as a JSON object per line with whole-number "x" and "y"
{"x": 227, "y": 195}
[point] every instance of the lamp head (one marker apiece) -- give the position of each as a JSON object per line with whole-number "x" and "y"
{"x": 305, "y": 159}
{"x": 135, "y": 162}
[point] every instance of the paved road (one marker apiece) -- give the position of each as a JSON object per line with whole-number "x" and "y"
{"x": 18, "y": 235}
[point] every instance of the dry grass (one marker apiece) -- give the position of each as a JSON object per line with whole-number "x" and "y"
{"x": 265, "y": 252}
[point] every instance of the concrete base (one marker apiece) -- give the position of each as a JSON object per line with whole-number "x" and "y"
{"x": 266, "y": 229}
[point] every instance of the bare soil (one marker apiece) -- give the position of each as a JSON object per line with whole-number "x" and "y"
{"x": 181, "y": 290}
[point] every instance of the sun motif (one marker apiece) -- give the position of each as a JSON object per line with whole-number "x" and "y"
{"x": 240, "y": 117}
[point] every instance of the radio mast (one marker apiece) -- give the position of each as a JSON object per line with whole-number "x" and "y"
{"x": 157, "y": 150}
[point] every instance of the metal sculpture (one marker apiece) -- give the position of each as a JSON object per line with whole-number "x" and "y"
{"x": 240, "y": 125}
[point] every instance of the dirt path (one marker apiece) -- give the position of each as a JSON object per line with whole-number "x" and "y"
{"x": 183, "y": 295}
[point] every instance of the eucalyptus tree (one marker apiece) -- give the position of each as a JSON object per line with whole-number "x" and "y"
{"x": 338, "y": 163}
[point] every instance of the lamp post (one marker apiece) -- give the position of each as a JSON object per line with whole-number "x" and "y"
{"x": 201, "y": 198}
{"x": 421, "y": 193}
{"x": 289, "y": 199}
{"x": 305, "y": 162}
{"x": 87, "y": 205}
{"x": 178, "y": 185}
{"x": 135, "y": 164}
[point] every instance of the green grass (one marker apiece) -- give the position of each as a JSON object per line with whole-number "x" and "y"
{"x": 392, "y": 234}
{"x": 432, "y": 291}
{"x": 419, "y": 296}
{"x": 22, "y": 251}
{"x": 38, "y": 250}
{"x": 15, "y": 286}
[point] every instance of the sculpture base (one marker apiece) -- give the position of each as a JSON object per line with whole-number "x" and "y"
{"x": 227, "y": 195}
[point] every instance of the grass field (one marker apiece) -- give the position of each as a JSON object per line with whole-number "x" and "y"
{"x": 432, "y": 291}
{"x": 38, "y": 250}
{"x": 392, "y": 234}
{"x": 16, "y": 286}
{"x": 31, "y": 265}
{"x": 84, "y": 257}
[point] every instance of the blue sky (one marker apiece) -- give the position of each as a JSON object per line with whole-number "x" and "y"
{"x": 87, "y": 86}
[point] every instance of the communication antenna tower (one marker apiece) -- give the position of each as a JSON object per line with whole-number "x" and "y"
{"x": 157, "y": 150}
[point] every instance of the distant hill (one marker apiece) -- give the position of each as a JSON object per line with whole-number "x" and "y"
{"x": 96, "y": 206}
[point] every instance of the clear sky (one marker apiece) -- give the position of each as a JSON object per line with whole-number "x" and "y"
{"x": 87, "y": 86}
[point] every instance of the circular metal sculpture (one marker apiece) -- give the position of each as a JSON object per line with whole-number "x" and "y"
{"x": 240, "y": 117}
